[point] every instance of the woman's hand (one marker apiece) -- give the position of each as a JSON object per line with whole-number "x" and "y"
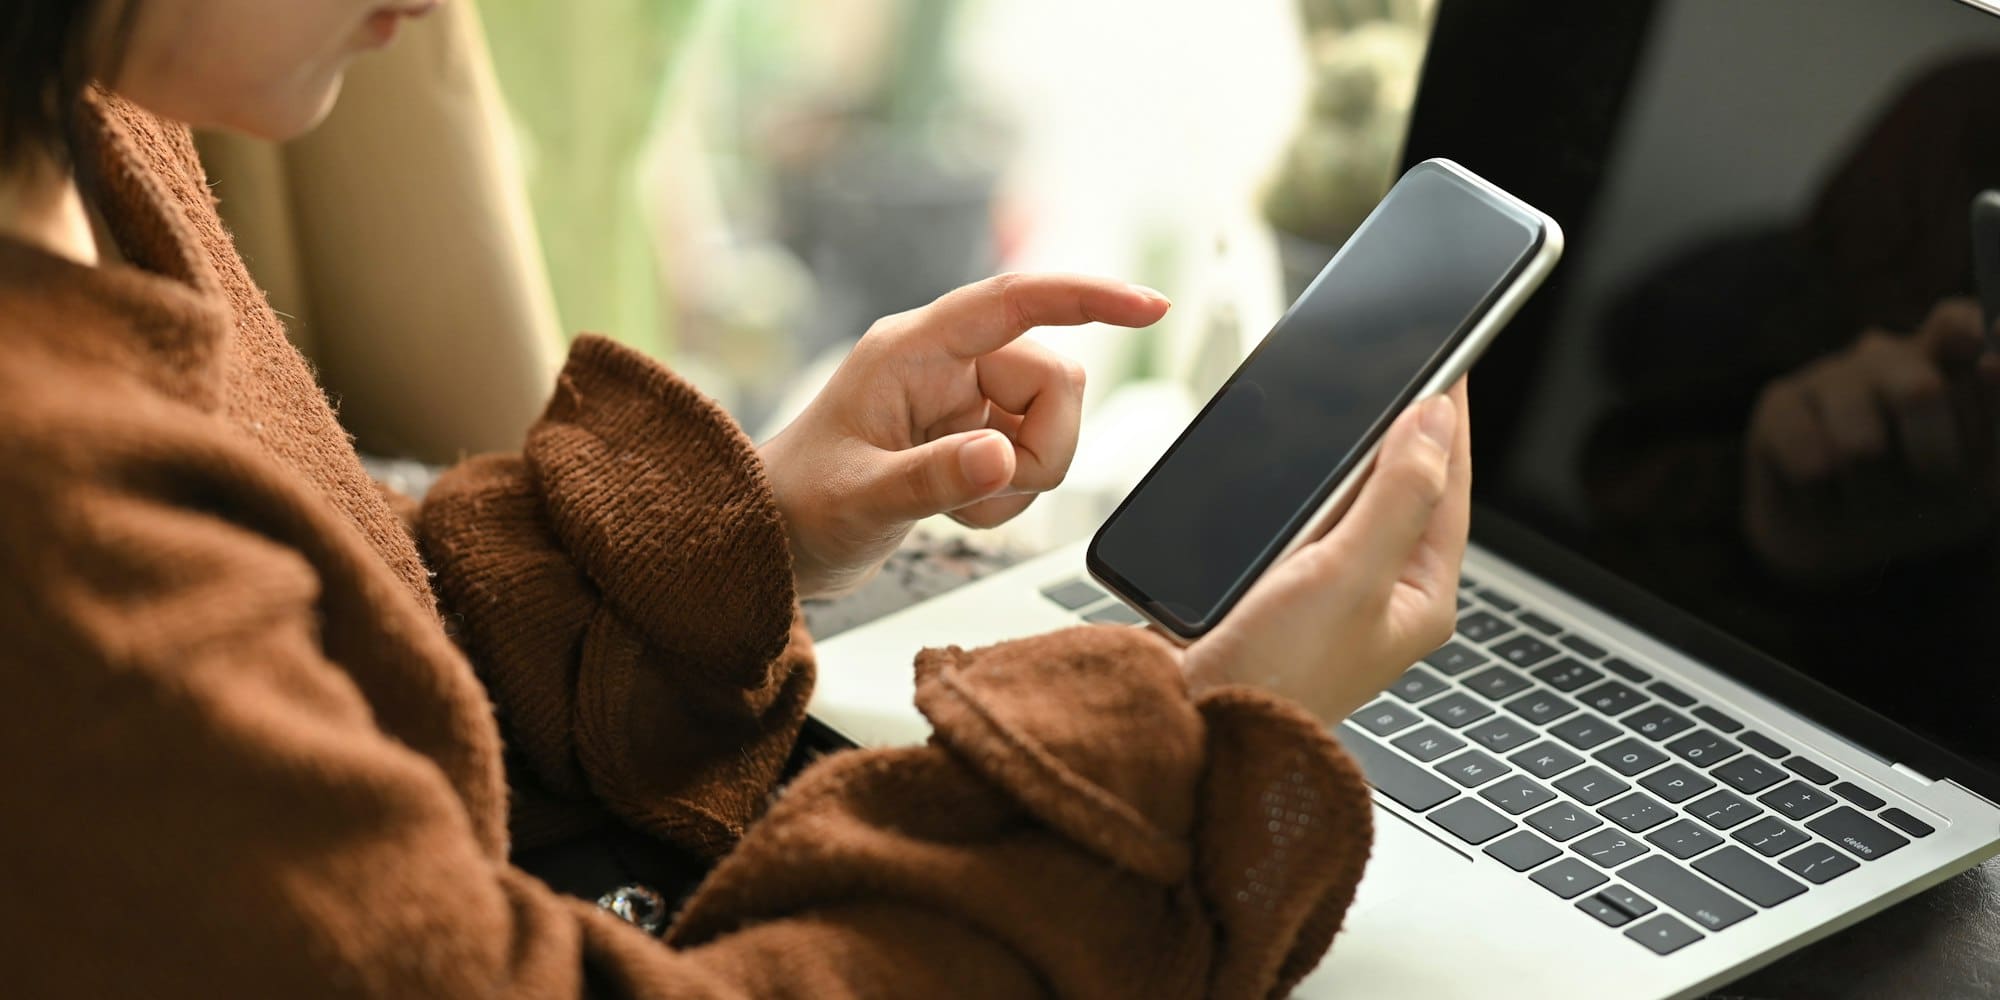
{"x": 941, "y": 409}
{"x": 1880, "y": 452}
{"x": 1335, "y": 622}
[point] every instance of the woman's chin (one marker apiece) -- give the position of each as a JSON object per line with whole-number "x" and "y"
{"x": 284, "y": 120}
{"x": 277, "y": 118}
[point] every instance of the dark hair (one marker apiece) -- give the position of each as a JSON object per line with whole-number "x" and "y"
{"x": 48, "y": 54}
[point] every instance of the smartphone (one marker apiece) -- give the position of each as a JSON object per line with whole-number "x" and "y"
{"x": 1986, "y": 260}
{"x": 1398, "y": 315}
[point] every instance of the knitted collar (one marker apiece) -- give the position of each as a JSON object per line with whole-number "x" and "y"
{"x": 162, "y": 316}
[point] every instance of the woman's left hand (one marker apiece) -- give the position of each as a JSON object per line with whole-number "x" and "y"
{"x": 939, "y": 410}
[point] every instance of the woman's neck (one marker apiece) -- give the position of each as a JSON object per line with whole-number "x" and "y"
{"x": 41, "y": 204}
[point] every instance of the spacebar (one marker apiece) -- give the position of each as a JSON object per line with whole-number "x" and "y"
{"x": 1392, "y": 774}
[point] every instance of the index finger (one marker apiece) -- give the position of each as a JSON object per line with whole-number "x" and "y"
{"x": 985, "y": 316}
{"x": 1954, "y": 330}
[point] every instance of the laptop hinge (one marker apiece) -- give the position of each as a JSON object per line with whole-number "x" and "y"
{"x": 1911, "y": 773}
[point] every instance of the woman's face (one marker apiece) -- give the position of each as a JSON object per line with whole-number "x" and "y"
{"x": 268, "y": 68}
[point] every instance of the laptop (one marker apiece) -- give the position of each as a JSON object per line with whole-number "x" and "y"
{"x": 1701, "y": 708}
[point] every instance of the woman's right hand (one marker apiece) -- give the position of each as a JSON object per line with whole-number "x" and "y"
{"x": 1877, "y": 453}
{"x": 1338, "y": 620}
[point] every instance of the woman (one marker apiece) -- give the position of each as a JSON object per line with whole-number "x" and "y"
{"x": 258, "y": 723}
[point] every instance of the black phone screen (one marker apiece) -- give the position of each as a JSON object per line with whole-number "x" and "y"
{"x": 1312, "y": 399}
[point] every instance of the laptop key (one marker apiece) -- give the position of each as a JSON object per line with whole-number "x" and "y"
{"x": 1683, "y": 838}
{"x": 1500, "y": 734}
{"x": 1584, "y": 647}
{"x": 1724, "y": 810}
{"x": 1564, "y": 821}
{"x": 1765, "y": 745}
{"x": 1703, "y": 748}
{"x": 1810, "y": 771}
{"x": 1545, "y": 760}
{"x": 1749, "y": 775}
{"x": 1663, "y": 934}
{"x": 1627, "y": 900}
{"x": 1637, "y": 812}
{"x": 1715, "y": 718}
{"x": 1499, "y": 600}
{"x": 1416, "y": 684}
{"x": 1541, "y": 708}
{"x": 1907, "y": 823}
{"x": 1857, "y": 834}
{"x": 1471, "y": 821}
{"x": 1591, "y": 785}
{"x": 1464, "y": 602}
{"x": 1115, "y": 614}
{"x": 1819, "y": 864}
{"x": 1454, "y": 658}
{"x": 1428, "y": 744}
{"x": 1517, "y": 795}
{"x": 1073, "y": 594}
{"x": 1668, "y": 693}
{"x": 1457, "y": 710}
{"x": 1859, "y": 796}
{"x": 1629, "y": 756}
{"x": 1521, "y": 851}
{"x": 1524, "y": 650}
{"x": 1612, "y": 698}
{"x": 1770, "y": 836}
{"x": 1385, "y": 717}
{"x": 1567, "y": 674}
{"x": 1497, "y": 683}
{"x": 1676, "y": 783}
{"x": 1607, "y": 914}
{"x": 1391, "y": 774}
{"x": 1538, "y": 623}
{"x": 1682, "y": 890}
{"x": 1569, "y": 878}
{"x": 1625, "y": 669}
{"x": 1795, "y": 800}
{"x": 1658, "y": 722}
{"x": 1483, "y": 626}
{"x": 1748, "y": 877}
{"x": 1471, "y": 769}
{"x": 1584, "y": 732}
{"x": 1609, "y": 848}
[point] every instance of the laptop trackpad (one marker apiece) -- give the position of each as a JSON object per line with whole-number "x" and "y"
{"x": 1405, "y": 858}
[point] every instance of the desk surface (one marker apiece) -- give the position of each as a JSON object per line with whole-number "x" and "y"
{"x": 1942, "y": 945}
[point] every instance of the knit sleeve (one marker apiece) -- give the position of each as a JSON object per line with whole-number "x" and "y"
{"x": 1076, "y": 806}
{"x": 246, "y": 763}
{"x": 624, "y": 589}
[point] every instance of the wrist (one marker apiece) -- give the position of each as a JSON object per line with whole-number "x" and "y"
{"x": 775, "y": 454}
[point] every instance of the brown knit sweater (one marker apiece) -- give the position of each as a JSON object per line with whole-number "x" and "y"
{"x": 245, "y": 757}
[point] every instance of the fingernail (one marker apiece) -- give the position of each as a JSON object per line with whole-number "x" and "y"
{"x": 1437, "y": 420}
{"x": 1149, "y": 293}
{"x": 984, "y": 460}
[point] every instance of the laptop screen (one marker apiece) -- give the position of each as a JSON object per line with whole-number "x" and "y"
{"x": 1759, "y": 386}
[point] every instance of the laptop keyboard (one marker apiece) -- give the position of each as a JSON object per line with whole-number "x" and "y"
{"x": 1657, "y": 814}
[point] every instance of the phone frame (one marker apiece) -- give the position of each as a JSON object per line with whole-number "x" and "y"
{"x": 1494, "y": 316}
{"x": 1986, "y": 261}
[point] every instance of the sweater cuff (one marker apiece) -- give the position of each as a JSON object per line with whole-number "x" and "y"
{"x": 1286, "y": 824}
{"x": 1089, "y": 729}
{"x": 663, "y": 502}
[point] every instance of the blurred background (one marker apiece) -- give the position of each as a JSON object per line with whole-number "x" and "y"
{"x": 741, "y": 186}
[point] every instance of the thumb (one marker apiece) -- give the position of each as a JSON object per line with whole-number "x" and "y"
{"x": 944, "y": 475}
